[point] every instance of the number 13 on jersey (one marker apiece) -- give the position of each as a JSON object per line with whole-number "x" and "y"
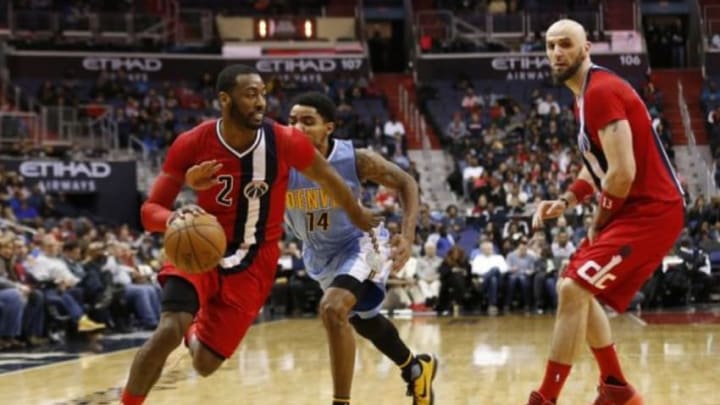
{"x": 317, "y": 221}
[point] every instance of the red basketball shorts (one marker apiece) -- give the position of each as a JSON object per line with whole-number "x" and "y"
{"x": 229, "y": 303}
{"x": 627, "y": 252}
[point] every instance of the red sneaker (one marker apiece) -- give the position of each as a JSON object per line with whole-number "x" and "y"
{"x": 609, "y": 394}
{"x": 537, "y": 399}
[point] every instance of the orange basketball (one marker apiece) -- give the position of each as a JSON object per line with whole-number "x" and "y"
{"x": 195, "y": 245}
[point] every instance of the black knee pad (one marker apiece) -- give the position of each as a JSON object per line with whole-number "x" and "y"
{"x": 373, "y": 328}
{"x": 179, "y": 295}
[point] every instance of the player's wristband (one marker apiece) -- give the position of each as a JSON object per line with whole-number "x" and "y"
{"x": 610, "y": 202}
{"x": 581, "y": 189}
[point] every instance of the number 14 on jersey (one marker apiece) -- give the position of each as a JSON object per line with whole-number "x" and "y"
{"x": 317, "y": 221}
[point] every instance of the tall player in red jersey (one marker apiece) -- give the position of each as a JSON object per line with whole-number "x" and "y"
{"x": 640, "y": 215}
{"x": 240, "y": 164}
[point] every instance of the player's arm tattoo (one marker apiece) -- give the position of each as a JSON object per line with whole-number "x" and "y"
{"x": 373, "y": 167}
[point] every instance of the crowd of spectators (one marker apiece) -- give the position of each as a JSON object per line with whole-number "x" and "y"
{"x": 494, "y": 263}
{"x": 62, "y": 276}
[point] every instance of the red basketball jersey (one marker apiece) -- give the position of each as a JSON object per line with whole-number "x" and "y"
{"x": 249, "y": 202}
{"x": 607, "y": 98}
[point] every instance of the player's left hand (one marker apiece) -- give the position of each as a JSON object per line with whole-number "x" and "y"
{"x": 400, "y": 249}
{"x": 202, "y": 175}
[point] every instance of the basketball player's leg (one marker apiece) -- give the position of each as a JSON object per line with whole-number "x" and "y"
{"x": 591, "y": 269}
{"x": 342, "y": 280}
{"x": 608, "y": 269}
{"x": 180, "y": 303}
{"x": 599, "y": 333}
{"x": 599, "y": 338}
{"x": 335, "y": 306}
{"x": 645, "y": 257}
{"x": 183, "y": 297}
{"x": 418, "y": 371}
{"x": 585, "y": 321}
{"x": 569, "y": 335}
{"x": 614, "y": 387}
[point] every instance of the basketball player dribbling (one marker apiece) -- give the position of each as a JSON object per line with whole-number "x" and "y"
{"x": 351, "y": 268}
{"x": 239, "y": 166}
{"x": 640, "y": 215}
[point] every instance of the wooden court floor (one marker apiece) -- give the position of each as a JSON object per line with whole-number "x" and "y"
{"x": 484, "y": 361}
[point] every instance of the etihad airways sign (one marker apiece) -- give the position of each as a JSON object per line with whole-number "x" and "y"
{"x": 105, "y": 189}
{"x": 76, "y": 177}
{"x": 156, "y": 67}
{"x": 129, "y": 65}
{"x": 58, "y": 169}
{"x": 515, "y": 66}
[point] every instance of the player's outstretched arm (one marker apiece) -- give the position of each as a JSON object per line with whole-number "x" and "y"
{"x": 373, "y": 167}
{"x": 157, "y": 209}
{"x": 326, "y": 177}
{"x": 616, "y": 140}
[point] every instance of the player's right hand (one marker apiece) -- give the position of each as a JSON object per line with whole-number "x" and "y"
{"x": 202, "y": 175}
{"x": 366, "y": 220}
{"x": 186, "y": 212}
{"x": 547, "y": 209}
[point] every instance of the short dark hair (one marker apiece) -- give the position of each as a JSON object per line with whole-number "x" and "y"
{"x": 321, "y": 102}
{"x": 227, "y": 78}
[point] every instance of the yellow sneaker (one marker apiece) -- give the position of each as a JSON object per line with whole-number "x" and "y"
{"x": 421, "y": 387}
{"x": 86, "y": 324}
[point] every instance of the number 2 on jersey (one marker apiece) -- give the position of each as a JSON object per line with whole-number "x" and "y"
{"x": 317, "y": 221}
{"x": 223, "y": 197}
